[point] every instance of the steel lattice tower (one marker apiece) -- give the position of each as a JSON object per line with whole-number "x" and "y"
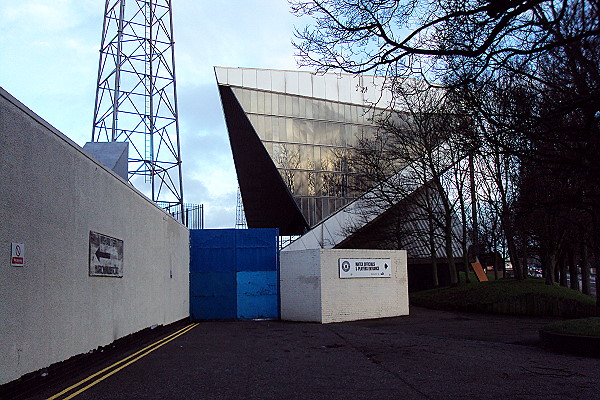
{"x": 240, "y": 217}
{"x": 136, "y": 97}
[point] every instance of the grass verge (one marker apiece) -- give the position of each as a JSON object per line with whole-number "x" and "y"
{"x": 509, "y": 296}
{"x": 583, "y": 326}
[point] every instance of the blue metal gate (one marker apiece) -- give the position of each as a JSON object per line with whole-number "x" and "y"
{"x": 234, "y": 274}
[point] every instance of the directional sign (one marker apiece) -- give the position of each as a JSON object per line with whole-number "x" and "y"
{"x": 106, "y": 255}
{"x": 17, "y": 255}
{"x": 365, "y": 267}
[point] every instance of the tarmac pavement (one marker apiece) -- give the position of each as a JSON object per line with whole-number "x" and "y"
{"x": 426, "y": 355}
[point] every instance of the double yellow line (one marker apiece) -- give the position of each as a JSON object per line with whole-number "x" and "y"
{"x": 116, "y": 367}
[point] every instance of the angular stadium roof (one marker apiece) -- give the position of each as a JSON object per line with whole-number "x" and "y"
{"x": 289, "y": 131}
{"x": 344, "y": 88}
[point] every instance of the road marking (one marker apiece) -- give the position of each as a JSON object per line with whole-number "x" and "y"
{"x": 146, "y": 350}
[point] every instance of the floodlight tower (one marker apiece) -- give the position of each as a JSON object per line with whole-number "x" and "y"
{"x": 240, "y": 217}
{"x": 136, "y": 96}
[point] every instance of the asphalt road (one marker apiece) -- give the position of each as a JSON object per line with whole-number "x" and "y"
{"x": 427, "y": 355}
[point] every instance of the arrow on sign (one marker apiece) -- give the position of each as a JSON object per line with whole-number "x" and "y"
{"x": 386, "y": 266}
{"x": 101, "y": 254}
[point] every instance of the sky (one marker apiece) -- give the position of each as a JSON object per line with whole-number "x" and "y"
{"x": 49, "y": 51}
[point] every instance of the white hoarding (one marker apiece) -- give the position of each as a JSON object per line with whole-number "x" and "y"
{"x": 365, "y": 267}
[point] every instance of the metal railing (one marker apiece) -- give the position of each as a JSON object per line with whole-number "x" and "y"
{"x": 192, "y": 217}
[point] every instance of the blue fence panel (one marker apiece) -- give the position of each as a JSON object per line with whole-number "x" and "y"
{"x": 212, "y": 250}
{"x": 234, "y": 273}
{"x": 256, "y": 249}
{"x": 213, "y": 295}
{"x": 257, "y": 294}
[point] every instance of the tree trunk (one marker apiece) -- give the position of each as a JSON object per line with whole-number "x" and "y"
{"x": 434, "y": 271}
{"x": 463, "y": 214}
{"x": 596, "y": 258}
{"x": 514, "y": 257}
{"x": 562, "y": 267}
{"x": 467, "y": 265}
{"x": 447, "y": 230}
{"x": 433, "y": 252}
{"x": 585, "y": 272}
{"x": 548, "y": 265}
{"x": 474, "y": 222}
{"x": 511, "y": 245}
{"x": 449, "y": 250}
{"x": 573, "y": 274}
{"x": 525, "y": 256}
{"x": 495, "y": 266}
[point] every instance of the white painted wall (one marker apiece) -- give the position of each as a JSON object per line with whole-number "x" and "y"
{"x": 52, "y": 195}
{"x": 300, "y": 285}
{"x": 311, "y": 289}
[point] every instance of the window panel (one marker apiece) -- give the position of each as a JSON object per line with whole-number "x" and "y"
{"x": 302, "y": 109}
{"x": 310, "y": 135}
{"x": 317, "y": 158}
{"x": 277, "y": 81}
{"x": 303, "y": 131}
{"x": 268, "y": 101}
{"x": 295, "y": 106}
{"x": 305, "y": 84}
{"x": 291, "y": 81}
{"x": 299, "y": 182}
{"x": 305, "y": 159}
{"x": 269, "y": 148}
{"x": 289, "y": 130}
{"x": 275, "y": 127}
{"x": 342, "y": 135}
{"x": 288, "y": 106}
{"x": 260, "y": 126}
{"x": 319, "y": 132}
{"x": 282, "y": 130}
{"x": 244, "y": 98}
{"x": 319, "y": 209}
{"x": 263, "y": 79}
{"x": 253, "y": 120}
{"x": 274, "y": 104}
{"x": 296, "y": 130}
{"x": 268, "y": 128}
{"x": 260, "y": 107}
{"x": 311, "y": 183}
{"x": 234, "y": 76}
{"x": 318, "y": 184}
{"x": 304, "y": 205}
{"x": 253, "y": 101}
{"x": 249, "y": 77}
{"x": 329, "y": 130}
{"x": 309, "y": 108}
{"x": 281, "y": 101}
{"x": 333, "y": 112}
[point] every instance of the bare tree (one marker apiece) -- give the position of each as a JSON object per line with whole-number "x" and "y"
{"x": 396, "y": 38}
{"x": 405, "y": 167}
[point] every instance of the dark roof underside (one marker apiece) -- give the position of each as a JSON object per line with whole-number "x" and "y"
{"x": 267, "y": 201}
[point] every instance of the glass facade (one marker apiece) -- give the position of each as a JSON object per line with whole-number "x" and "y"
{"x": 307, "y": 137}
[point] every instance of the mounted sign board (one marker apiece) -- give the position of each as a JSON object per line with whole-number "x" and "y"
{"x": 365, "y": 267}
{"x": 106, "y": 255}
{"x": 17, "y": 255}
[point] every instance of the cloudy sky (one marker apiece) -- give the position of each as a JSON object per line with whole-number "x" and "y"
{"x": 49, "y": 53}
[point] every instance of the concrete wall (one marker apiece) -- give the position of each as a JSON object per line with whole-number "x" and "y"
{"x": 300, "y": 285}
{"x": 312, "y": 290}
{"x": 51, "y": 196}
